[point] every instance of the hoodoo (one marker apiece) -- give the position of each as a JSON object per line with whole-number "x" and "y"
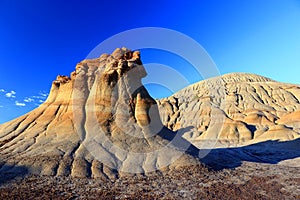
{"x": 99, "y": 122}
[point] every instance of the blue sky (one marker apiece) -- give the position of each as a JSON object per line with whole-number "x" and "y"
{"x": 43, "y": 38}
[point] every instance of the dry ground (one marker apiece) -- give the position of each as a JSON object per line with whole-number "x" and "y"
{"x": 249, "y": 181}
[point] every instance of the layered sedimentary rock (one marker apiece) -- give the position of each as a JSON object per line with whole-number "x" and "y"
{"x": 99, "y": 122}
{"x": 242, "y": 108}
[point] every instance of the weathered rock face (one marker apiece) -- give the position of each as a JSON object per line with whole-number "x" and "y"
{"x": 99, "y": 122}
{"x": 247, "y": 108}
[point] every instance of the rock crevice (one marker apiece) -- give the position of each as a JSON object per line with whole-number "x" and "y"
{"x": 99, "y": 122}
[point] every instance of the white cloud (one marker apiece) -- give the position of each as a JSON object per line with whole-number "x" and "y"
{"x": 28, "y": 100}
{"x": 43, "y": 94}
{"x": 8, "y": 95}
{"x": 11, "y": 94}
{"x": 37, "y": 97}
{"x": 2, "y": 90}
{"x": 20, "y": 104}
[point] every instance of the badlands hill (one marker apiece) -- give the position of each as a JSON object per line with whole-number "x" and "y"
{"x": 234, "y": 109}
{"x": 101, "y": 122}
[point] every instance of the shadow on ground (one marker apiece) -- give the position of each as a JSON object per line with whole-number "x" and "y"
{"x": 269, "y": 152}
{"x": 10, "y": 172}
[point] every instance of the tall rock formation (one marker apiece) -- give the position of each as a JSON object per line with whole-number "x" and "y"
{"x": 99, "y": 122}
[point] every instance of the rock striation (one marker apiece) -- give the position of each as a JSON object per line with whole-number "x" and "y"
{"x": 243, "y": 108}
{"x": 100, "y": 122}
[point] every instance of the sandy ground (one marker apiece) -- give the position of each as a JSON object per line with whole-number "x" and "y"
{"x": 249, "y": 181}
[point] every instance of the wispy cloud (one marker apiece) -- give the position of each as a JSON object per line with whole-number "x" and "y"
{"x": 40, "y": 98}
{"x": 11, "y": 94}
{"x": 37, "y": 97}
{"x": 28, "y": 100}
{"x": 43, "y": 94}
{"x": 20, "y": 104}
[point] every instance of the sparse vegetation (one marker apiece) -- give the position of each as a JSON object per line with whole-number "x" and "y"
{"x": 251, "y": 181}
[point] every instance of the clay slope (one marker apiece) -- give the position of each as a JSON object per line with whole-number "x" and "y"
{"x": 99, "y": 122}
{"x": 234, "y": 109}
